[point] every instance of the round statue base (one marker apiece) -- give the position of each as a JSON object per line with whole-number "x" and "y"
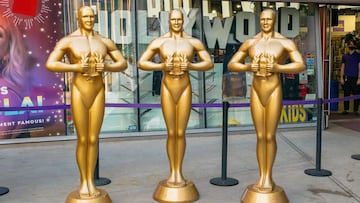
{"x": 74, "y": 197}
{"x": 165, "y": 193}
{"x": 252, "y": 195}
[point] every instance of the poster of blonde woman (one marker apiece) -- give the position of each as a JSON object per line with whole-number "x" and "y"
{"x": 28, "y": 30}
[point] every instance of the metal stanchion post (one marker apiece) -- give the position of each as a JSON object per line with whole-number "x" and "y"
{"x": 99, "y": 181}
{"x": 318, "y": 171}
{"x": 224, "y": 180}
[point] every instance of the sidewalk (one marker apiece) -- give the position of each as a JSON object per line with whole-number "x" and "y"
{"x": 47, "y": 172}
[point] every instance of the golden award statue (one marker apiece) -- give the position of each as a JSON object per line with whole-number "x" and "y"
{"x": 268, "y": 51}
{"x": 85, "y": 50}
{"x": 176, "y": 50}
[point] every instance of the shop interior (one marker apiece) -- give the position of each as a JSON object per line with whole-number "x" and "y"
{"x": 345, "y": 26}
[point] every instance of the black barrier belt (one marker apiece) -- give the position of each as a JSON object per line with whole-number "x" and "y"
{"x": 195, "y": 105}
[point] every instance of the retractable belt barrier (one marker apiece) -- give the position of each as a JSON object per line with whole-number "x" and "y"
{"x": 223, "y": 180}
{"x": 195, "y": 105}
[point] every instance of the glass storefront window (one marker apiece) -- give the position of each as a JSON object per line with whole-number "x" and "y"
{"x": 226, "y": 26}
{"x": 222, "y": 26}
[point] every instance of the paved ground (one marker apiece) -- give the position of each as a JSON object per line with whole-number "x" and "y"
{"x": 46, "y": 172}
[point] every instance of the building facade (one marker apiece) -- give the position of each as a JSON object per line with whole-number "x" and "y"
{"x": 132, "y": 96}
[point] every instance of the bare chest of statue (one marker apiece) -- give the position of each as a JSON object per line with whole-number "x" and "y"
{"x": 177, "y": 49}
{"x": 267, "y": 48}
{"x": 90, "y": 47}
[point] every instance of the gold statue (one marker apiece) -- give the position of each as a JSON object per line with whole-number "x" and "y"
{"x": 176, "y": 50}
{"x": 85, "y": 50}
{"x": 268, "y": 51}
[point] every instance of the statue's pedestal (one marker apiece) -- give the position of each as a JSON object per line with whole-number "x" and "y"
{"x": 251, "y": 195}
{"x": 74, "y": 197}
{"x": 172, "y": 194}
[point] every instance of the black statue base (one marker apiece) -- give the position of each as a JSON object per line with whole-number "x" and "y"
{"x": 3, "y": 190}
{"x": 224, "y": 181}
{"x": 318, "y": 172}
{"x": 102, "y": 181}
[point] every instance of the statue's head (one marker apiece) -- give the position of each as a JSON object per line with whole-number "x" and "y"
{"x": 267, "y": 20}
{"x": 86, "y": 17}
{"x": 176, "y": 20}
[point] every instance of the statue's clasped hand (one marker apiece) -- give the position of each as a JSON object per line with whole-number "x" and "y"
{"x": 169, "y": 64}
{"x": 84, "y": 64}
{"x": 92, "y": 66}
{"x": 99, "y": 63}
{"x": 263, "y": 64}
{"x": 184, "y": 63}
{"x": 270, "y": 59}
{"x": 176, "y": 64}
{"x": 255, "y": 63}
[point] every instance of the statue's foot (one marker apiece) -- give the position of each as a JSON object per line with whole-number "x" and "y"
{"x": 84, "y": 191}
{"x": 264, "y": 189}
{"x": 171, "y": 180}
{"x": 176, "y": 182}
{"x": 268, "y": 185}
{"x": 264, "y": 185}
{"x": 93, "y": 191}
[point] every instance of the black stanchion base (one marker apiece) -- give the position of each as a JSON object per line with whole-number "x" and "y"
{"x": 224, "y": 181}
{"x": 318, "y": 172}
{"x": 102, "y": 181}
{"x": 3, "y": 190}
{"x": 355, "y": 156}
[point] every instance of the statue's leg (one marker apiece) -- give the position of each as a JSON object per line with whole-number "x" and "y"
{"x": 96, "y": 119}
{"x": 80, "y": 115}
{"x": 183, "y": 110}
{"x": 273, "y": 110}
{"x": 169, "y": 112}
{"x": 258, "y": 117}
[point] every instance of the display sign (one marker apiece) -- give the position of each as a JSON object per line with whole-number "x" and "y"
{"x": 340, "y": 27}
{"x": 310, "y": 64}
{"x": 217, "y": 30}
{"x": 29, "y": 29}
{"x": 293, "y": 114}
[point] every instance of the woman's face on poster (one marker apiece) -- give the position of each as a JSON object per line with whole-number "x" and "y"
{"x": 4, "y": 43}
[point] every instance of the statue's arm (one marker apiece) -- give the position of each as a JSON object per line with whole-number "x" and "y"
{"x": 120, "y": 63}
{"x": 297, "y": 62}
{"x": 145, "y": 62}
{"x": 235, "y": 64}
{"x": 55, "y": 62}
{"x": 205, "y": 58}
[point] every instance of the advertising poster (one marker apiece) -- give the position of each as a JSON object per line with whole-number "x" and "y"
{"x": 310, "y": 64}
{"x": 29, "y": 29}
{"x": 340, "y": 27}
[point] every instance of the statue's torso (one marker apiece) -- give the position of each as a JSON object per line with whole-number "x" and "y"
{"x": 80, "y": 47}
{"x": 179, "y": 50}
{"x": 270, "y": 51}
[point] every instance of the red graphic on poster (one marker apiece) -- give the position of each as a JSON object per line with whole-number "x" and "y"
{"x": 25, "y": 7}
